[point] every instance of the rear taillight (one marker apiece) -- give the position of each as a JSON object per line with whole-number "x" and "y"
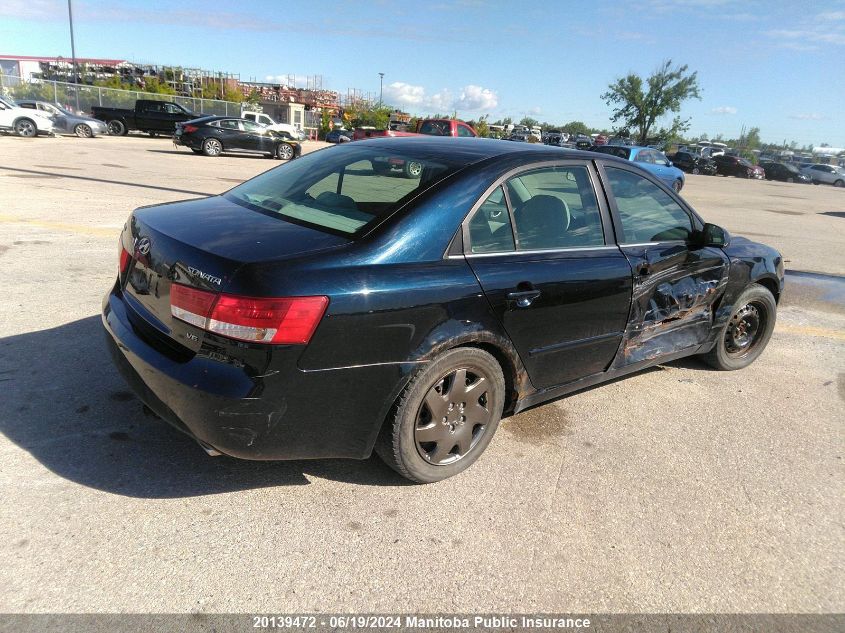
{"x": 189, "y": 129}
{"x": 191, "y": 305}
{"x": 125, "y": 258}
{"x": 281, "y": 321}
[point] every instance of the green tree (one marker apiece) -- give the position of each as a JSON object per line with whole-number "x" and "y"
{"x": 576, "y": 127}
{"x": 325, "y": 123}
{"x": 482, "y": 127}
{"x": 752, "y": 138}
{"x": 638, "y": 103}
{"x": 529, "y": 122}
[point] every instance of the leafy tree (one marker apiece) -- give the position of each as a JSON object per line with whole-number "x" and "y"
{"x": 325, "y": 123}
{"x": 482, "y": 127}
{"x": 639, "y": 103}
{"x": 576, "y": 127}
{"x": 529, "y": 122}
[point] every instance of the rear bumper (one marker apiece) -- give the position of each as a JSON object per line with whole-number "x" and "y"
{"x": 283, "y": 413}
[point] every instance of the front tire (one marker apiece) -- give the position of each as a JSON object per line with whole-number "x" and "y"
{"x": 445, "y": 417}
{"x": 747, "y": 332}
{"x": 83, "y": 130}
{"x": 284, "y": 151}
{"x": 839, "y": 183}
{"x": 212, "y": 147}
{"x": 25, "y": 128}
{"x": 677, "y": 186}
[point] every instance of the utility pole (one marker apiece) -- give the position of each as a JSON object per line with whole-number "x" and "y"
{"x": 73, "y": 51}
{"x": 380, "y": 86}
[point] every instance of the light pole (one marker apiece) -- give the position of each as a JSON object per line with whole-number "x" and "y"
{"x": 380, "y": 86}
{"x": 73, "y": 52}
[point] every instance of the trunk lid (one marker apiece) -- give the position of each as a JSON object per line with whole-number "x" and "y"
{"x": 201, "y": 244}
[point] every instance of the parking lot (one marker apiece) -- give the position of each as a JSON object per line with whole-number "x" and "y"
{"x": 678, "y": 489}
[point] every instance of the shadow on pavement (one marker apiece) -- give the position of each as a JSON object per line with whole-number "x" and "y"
{"x": 66, "y": 405}
{"x": 33, "y": 173}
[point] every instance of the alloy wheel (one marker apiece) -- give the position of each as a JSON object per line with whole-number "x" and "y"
{"x": 453, "y": 416}
{"x": 116, "y": 128}
{"x": 285, "y": 151}
{"x": 83, "y": 131}
{"x": 212, "y": 147}
{"x": 26, "y": 128}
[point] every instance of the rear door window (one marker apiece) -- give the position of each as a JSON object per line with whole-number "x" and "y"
{"x": 490, "y": 228}
{"x": 555, "y": 207}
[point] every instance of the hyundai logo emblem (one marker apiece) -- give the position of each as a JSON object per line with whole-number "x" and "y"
{"x": 144, "y": 245}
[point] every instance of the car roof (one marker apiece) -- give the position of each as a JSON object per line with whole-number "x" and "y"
{"x": 472, "y": 149}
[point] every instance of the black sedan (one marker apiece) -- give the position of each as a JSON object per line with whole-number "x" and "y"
{"x": 214, "y": 135}
{"x": 784, "y": 172}
{"x": 326, "y": 309}
{"x": 693, "y": 164}
{"x": 339, "y": 136}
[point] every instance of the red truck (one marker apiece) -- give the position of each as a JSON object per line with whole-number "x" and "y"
{"x": 430, "y": 127}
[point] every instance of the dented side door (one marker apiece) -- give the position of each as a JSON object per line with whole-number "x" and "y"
{"x": 676, "y": 286}
{"x": 672, "y": 306}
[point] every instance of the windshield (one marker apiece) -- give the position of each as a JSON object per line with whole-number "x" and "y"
{"x": 344, "y": 190}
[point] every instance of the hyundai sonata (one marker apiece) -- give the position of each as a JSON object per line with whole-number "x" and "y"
{"x": 327, "y": 308}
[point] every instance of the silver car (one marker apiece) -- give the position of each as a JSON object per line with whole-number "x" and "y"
{"x": 65, "y": 121}
{"x": 827, "y": 174}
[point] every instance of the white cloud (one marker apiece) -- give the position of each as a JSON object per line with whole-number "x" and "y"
{"x": 810, "y": 116}
{"x": 476, "y": 98}
{"x": 440, "y": 101}
{"x": 402, "y": 94}
{"x": 724, "y": 110}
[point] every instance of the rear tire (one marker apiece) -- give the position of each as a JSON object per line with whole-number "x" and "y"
{"x": 26, "y": 128}
{"x": 445, "y": 417}
{"x": 117, "y": 127}
{"x": 212, "y": 147}
{"x": 747, "y": 332}
{"x": 696, "y": 170}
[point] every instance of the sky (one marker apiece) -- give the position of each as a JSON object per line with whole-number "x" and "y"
{"x": 776, "y": 65}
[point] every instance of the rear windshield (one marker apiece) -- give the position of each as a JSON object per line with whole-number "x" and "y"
{"x": 344, "y": 190}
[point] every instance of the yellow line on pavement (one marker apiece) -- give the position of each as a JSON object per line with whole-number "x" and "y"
{"x": 808, "y": 330}
{"x": 61, "y": 226}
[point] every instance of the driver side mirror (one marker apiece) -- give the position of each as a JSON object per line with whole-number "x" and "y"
{"x": 710, "y": 235}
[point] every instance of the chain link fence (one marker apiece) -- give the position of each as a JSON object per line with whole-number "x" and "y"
{"x": 89, "y": 96}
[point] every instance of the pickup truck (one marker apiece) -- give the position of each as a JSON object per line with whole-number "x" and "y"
{"x": 430, "y": 127}
{"x": 147, "y": 116}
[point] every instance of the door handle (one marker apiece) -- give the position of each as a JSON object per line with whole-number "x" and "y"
{"x": 523, "y": 298}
